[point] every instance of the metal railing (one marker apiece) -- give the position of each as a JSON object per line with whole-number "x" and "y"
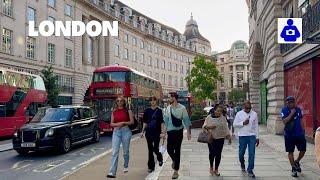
{"x": 310, "y": 25}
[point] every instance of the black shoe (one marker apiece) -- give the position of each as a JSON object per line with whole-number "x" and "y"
{"x": 150, "y": 170}
{"x": 297, "y": 166}
{"x": 160, "y": 163}
{"x": 243, "y": 168}
{"x": 251, "y": 174}
{"x": 294, "y": 173}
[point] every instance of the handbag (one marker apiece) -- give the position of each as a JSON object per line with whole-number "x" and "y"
{"x": 205, "y": 137}
{"x": 175, "y": 121}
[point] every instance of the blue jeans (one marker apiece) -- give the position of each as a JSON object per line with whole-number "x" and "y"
{"x": 249, "y": 141}
{"x": 120, "y": 135}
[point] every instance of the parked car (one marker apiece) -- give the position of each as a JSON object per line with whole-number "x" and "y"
{"x": 57, "y": 128}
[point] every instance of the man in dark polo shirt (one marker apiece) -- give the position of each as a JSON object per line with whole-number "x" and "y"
{"x": 294, "y": 133}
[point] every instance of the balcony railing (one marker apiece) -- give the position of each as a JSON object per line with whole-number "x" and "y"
{"x": 310, "y": 25}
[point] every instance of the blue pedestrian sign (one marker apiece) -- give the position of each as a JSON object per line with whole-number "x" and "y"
{"x": 289, "y": 30}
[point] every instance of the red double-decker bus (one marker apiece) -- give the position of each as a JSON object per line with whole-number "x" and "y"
{"x": 112, "y": 81}
{"x": 21, "y": 94}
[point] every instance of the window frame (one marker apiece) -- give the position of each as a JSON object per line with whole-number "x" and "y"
{"x": 51, "y": 53}
{"x": 6, "y": 41}
{"x": 29, "y": 49}
{"x": 68, "y": 57}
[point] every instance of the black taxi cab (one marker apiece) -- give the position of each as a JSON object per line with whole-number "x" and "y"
{"x": 57, "y": 128}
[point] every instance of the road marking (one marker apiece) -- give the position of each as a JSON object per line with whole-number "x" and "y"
{"x": 51, "y": 166}
{"x": 86, "y": 163}
{"x": 16, "y": 165}
{"x": 155, "y": 174}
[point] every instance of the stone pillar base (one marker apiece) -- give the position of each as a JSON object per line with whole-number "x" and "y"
{"x": 275, "y": 125}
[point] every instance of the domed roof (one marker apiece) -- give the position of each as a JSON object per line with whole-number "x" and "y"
{"x": 239, "y": 45}
{"x": 192, "y": 30}
{"x": 192, "y": 22}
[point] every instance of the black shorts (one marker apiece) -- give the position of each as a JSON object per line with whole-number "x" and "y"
{"x": 292, "y": 141}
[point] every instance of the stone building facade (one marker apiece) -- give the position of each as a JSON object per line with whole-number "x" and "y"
{"x": 233, "y": 66}
{"x": 269, "y": 62}
{"x": 143, "y": 44}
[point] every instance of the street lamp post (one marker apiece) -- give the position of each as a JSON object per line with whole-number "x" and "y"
{"x": 189, "y": 72}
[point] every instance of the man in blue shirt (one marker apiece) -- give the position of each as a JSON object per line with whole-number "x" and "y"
{"x": 294, "y": 135}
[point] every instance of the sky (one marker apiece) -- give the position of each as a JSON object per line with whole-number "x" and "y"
{"x": 220, "y": 21}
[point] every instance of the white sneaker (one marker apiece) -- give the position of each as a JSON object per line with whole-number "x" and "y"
{"x": 125, "y": 170}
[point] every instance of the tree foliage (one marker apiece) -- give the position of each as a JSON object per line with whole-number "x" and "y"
{"x": 50, "y": 82}
{"x": 236, "y": 95}
{"x": 203, "y": 79}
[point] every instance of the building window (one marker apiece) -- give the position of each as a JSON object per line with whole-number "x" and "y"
{"x": 30, "y": 49}
{"x": 134, "y": 41}
{"x": 142, "y": 45}
{"x": 150, "y": 61}
{"x": 231, "y": 68}
{"x": 7, "y": 7}
{"x": 222, "y": 60}
{"x": 303, "y": 5}
{"x": 126, "y": 53}
{"x": 157, "y": 63}
{"x": 181, "y": 82}
{"x": 51, "y": 53}
{"x": 163, "y": 64}
{"x": 175, "y": 56}
{"x": 142, "y": 59}
{"x": 176, "y": 68}
{"x": 126, "y": 38}
{"x": 52, "y": 3}
{"x": 68, "y": 10}
{"x": 181, "y": 69}
{"x": 6, "y": 41}
{"x": 170, "y": 80}
{"x": 163, "y": 78}
{"x": 156, "y": 76}
{"x": 163, "y": 52}
{"x": 239, "y": 79}
{"x": 31, "y": 14}
{"x": 116, "y": 50}
{"x": 149, "y": 48}
{"x": 68, "y": 57}
{"x": 169, "y": 66}
{"x": 52, "y": 19}
{"x": 90, "y": 50}
{"x": 222, "y": 70}
{"x": 135, "y": 56}
{"x": 156, "y": 50}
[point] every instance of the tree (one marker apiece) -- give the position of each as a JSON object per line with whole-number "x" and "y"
{"x": 202, "y": 80}
{"x": 236, "y": 95}
{"x": 50, "y": 82}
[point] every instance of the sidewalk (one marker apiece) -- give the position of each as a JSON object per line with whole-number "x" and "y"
{"x": 270, "y": 162}
{"x": 98, "y": 169}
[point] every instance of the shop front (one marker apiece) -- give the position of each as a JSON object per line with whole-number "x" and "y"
{"x": 303, "y": 82}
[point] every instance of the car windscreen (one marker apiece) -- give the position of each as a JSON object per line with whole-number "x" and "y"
{"x": 54, "y": 115}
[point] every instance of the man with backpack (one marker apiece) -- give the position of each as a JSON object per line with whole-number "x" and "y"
{"x": 294, "y": 133}
{"x": 153, "y": 127}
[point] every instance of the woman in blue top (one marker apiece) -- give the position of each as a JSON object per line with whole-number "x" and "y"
{"x": 176, "y": 118}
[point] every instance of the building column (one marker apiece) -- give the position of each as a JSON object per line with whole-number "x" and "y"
{"x": 85, "y": 44}
{"x": 102, "y": 57}
{"x": 235, "y": 80}
{"x": 95, "y": 52}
